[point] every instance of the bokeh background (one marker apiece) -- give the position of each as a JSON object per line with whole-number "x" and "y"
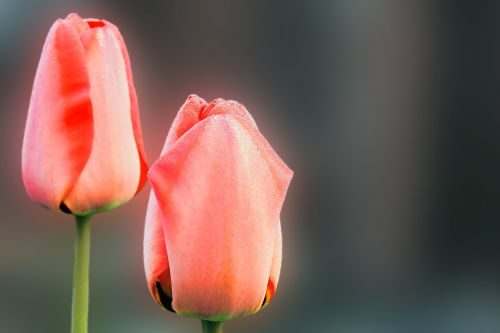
{"x": 388, "y": 112}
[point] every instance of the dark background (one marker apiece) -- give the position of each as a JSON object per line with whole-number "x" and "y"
{"x": 387, "y": 111}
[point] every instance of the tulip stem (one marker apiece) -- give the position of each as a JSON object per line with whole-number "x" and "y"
{"x": 211, "y": 326}
{"x": 80, "y": 306}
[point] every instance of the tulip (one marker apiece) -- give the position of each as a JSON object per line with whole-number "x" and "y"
{"x": 212, "y": 240}
{"x": 83, "y": 150}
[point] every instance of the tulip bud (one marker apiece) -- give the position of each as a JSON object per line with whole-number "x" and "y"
{"x": 212, "y": 243}
{"x": 83, "y": 150}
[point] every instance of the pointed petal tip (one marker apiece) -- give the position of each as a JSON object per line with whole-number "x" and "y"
{"x": 195, "y": 97}
{"x": 72, "y": 15}
{"x": 193, "y": 103}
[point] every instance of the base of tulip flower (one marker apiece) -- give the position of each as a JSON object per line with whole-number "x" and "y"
{"x": 80, "y": 306}
{"x": 211, "y": 326}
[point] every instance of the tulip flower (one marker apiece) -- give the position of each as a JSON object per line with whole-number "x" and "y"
{"x": 212, "y": 241}
{"x": 83, "y": 149}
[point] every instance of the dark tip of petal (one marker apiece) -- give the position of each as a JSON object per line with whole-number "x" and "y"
{"x": 65, "y": 208}
{"x": 269, "y": 294}
{"x": 264, "y": 301}
{"x": 164, "y": 299}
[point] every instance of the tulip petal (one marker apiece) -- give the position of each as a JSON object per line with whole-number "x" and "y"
{"x": 229, "y": 107}
{"x": 275, "y": 268}
{"x": 282, "y": 174}
{"x": 220, "y": 204}
{"x": 155, "y": 255}
{"x": 187, "y": 117}
{"x": 112, "y": 173}
{"x": 77, "y": 22}
{"x": 196, "y": 108}
{"x": 134, "y": 107}
{"x": 59, "y": 128}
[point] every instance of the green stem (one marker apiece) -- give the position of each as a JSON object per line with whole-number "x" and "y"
{"x": 80, "y": 307}
{"x": 211, "y": 326}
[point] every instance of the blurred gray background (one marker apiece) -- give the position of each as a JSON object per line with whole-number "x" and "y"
{"x": 387, "y": 111}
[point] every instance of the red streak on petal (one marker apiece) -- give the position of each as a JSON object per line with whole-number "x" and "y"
{"x": 96, "y": 23}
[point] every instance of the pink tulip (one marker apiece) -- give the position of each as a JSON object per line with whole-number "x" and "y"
{"x": 212, "y": 243}
{"x": 83, "y": 149}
